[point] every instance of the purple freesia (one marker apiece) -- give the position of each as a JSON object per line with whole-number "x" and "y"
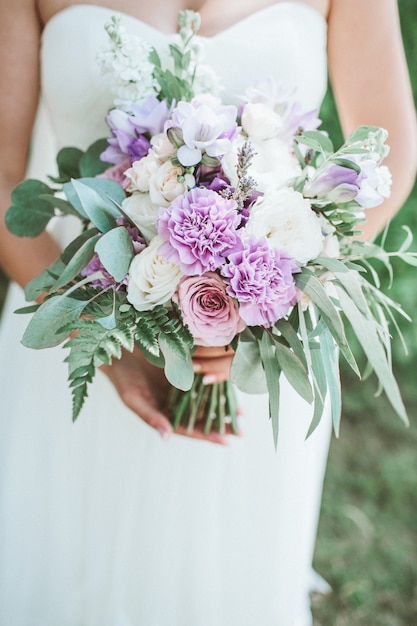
{"x": 339, "y": 184}
{"x": 199, "y": 229}
{"x": 131, "y": 131}
{"x": 261, "y": 279}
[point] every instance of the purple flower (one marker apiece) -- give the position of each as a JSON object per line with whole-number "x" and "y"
{"x": 199, "y": 229}
{"x": 116, "y": 173}
{"x": 261, "y": 279}
{"x": 130, "y": 130}
{"x": 335, "y": 183}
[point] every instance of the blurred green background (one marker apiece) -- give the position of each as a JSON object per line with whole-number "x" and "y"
{"x": 367, "y": 542}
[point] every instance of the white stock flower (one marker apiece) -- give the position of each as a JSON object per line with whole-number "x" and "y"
{"x": 287, "y": 221}
{"x": 168, "y": 182}
{"x": 152, "y": 279}
{"x": 259, "y": 121}
{"x": 140, "y": 173}
{"x": 143, "y": 213}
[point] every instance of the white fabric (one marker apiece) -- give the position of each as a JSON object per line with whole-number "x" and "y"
{"x": 101, "y": 522}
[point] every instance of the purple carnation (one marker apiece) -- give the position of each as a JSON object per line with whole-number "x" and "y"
{"x": 261, "y": 279}
{"x": 199, "y": 229}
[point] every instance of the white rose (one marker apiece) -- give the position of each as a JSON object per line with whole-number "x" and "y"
{"x": 143, "y": 213}
{"x": 287, "y": 221}
{"x": 140, "y": 173}
{"x": 167, "y": 183}
{"x": 260, "y": 121}
{"x": 152, "y": 279}
{"x": 162, "y": 148}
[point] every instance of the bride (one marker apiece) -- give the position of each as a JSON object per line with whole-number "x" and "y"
{"x": 104, "y": 522}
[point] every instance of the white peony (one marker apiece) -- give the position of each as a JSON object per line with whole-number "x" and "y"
{"x": 287, "y": 221}
{"x": 143, "y": 213}
{"x": 152, "y": 279}
{"x": 167, "y": 183}
{"x": 259, "y": 121}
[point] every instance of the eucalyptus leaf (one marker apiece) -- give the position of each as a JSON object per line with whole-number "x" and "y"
{"x": 111, "y": 194}
{"x": 366, "y": 333}
{"x": 63, "y": 205}
{"x": 115, "y": 250}
{"x": 247, "y": 372}
{"x": 28, "y": 215}
{"x": 178, "y": 369}
{"x": 68, "y": 160}
{"x": 320, "y": 388}
{"x": 95, "y": 206}
{"x": 91, "y": 163}
{"x": 45, "y": 329}
{"x": 294, "y": 371}
{"x": 330, "y": 359}
{"x": 272, "y": 372}
{"x": 44, "y": 282}
{"x": 78, "y": 262}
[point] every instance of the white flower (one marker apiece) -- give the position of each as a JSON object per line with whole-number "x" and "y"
{"x": 168, "y": 182}
{"x": 259, "y": 121}
{"x": 272, "y": 166}
{"x": 143, "y": 213}
{"x": 384, "y": 181}
{"x": 140, "y": 173}
{"x": 162, "y": 149}
{"x": 287, "y": 221}
{"x": 152, "y": 279}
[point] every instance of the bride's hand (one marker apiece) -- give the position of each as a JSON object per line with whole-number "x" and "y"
{"x": 213, "y": 363}
{"x": 143, "y": 388}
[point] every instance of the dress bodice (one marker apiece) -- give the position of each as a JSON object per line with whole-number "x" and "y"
{"x": 286, "y": 40}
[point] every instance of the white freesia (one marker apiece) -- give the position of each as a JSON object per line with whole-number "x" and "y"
{"x": 259, "y": 121}
{"x": 143, "y": 213}
{"x": 167, "y": 183}
{"x": 141, "y": 171}
{"x": 152, "y": 279}
{"x": 287, "y": 221}
{"x": 273, "y": 165}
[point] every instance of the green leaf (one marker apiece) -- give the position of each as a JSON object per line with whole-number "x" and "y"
{"x": 365, "y": 330}
{"x": 330, "y": 359}
{"x": 320, "y": 388}
{"x": 272, "y": 373}
{"x": 287, "y": 330}
{"x": 316, "y": 140}
{"x": 110, "y": 194}
{"x": 59, "y": 203}
{"x": 247, "y": 372}
{"x": 95, "y": 206}
{"x": 45, "y": 329}
{"x": 178, "y": 367}
{"x": 68, "y": 161}
{"x": 44, "y": 282}
{"x": 29, "y": 215}
{"x": 294, "y": 371}
{"x": 115, "y": 250}
{"x": 78, "y": 262}
{"x": 90, "y": 164}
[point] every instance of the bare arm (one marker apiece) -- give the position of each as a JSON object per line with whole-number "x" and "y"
{"x": 370, "y": 81}
{"x": 22, "y": 259}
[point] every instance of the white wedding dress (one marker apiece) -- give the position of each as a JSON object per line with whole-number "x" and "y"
{"x": 101, "y": 522}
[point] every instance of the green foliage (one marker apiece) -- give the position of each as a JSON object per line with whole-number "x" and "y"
{"x": 29, "y": 215}
{"x": 92, "y": 346}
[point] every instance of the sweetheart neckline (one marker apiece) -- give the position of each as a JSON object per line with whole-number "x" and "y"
{"x": 295, "y": 3}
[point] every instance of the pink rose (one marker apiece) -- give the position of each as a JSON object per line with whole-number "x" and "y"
{"x": 211, "y": 315}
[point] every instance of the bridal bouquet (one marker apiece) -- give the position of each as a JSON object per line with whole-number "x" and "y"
{"x": 207, "y": 224}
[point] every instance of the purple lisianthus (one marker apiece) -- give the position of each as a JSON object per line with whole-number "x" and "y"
{"x": 211, "y": 315}
{"x": 261, "y": 279}
{"x": 199, "y": 229}
{"x": 131, "y": 131}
